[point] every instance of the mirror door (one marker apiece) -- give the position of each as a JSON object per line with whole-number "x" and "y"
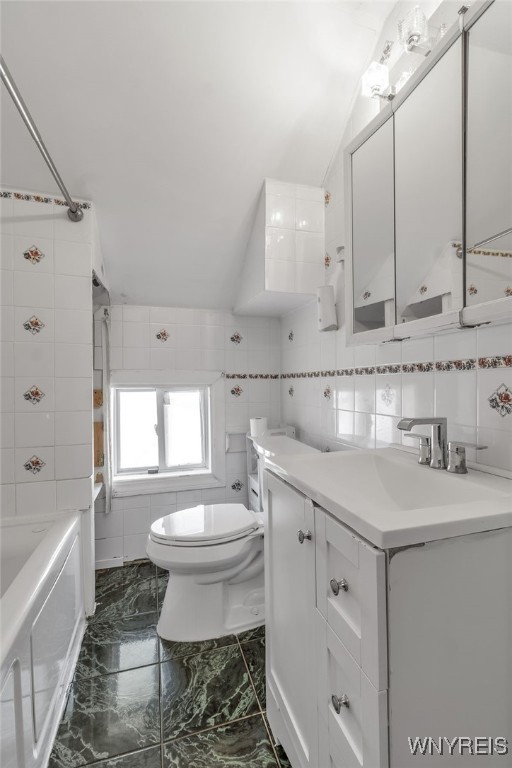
{"x": 489, "y": 156}
{"x": 428, "y": 192}
{"x": 373, "y": 231}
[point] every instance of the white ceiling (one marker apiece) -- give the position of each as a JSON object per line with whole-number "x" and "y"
{"x": 168, "y": 115}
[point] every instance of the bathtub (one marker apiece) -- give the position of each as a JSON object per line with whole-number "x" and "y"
{"x": 42, "y": 621}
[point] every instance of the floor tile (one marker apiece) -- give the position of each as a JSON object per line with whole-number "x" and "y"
{"x": 108, "y": 716}
{"x": 173, "y": 650}
{"x": 124, "y": 644}
{"x": 254, "y": 654}
{"x": 243, "y": 744}
{"x": 252, "y": 634}
{"x": 162, "y": 577}
{"x": 281, "y": 754}
{"x": 114, "y": 577}
{"x": 283, "y": 760}
{"x": 126, "y": 591}
{"x": 146, "y": 758}
{"x": 205, "y": 690}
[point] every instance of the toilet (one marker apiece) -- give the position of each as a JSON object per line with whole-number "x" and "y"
{"x": 214, "y": 555}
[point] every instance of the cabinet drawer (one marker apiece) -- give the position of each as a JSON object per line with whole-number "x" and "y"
{"x": 357, "y": 734}
{"x": 356, "y": 571}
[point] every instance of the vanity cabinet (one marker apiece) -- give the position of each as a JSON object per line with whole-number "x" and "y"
{"x": 369, "y": 648}
{"x": 289, "y": 601}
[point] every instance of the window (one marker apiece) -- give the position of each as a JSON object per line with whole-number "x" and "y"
{"x": 168, "y": 431}
{"x": 162, "y": 429}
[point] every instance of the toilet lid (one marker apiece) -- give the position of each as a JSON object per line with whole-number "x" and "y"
{"x": 205, "y": 524}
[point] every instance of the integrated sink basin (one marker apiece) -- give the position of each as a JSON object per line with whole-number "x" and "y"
{"x": 388, "y": 498}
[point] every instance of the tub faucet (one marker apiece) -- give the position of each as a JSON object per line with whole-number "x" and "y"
{"x": 437, "y": 438}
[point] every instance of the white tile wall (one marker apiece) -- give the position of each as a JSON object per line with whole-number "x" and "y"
{"x": 197, "y": 340}
{"x": 369, "y": 406}
{"x": 55, "y": 427}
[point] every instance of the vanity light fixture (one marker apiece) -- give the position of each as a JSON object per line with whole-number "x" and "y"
{"x": 413, "y": 31}
{"x": 375, "y": 82}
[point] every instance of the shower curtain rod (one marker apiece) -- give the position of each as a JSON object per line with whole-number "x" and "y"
{"x": 75, "y": 213}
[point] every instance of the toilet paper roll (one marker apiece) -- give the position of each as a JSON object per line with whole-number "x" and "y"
{"x": 258, "y": 426}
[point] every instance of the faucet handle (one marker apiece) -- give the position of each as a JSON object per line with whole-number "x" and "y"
{"x": 424, "y": 445}
{"x": 463, "y": 444}
{"x": 457, "y": 456}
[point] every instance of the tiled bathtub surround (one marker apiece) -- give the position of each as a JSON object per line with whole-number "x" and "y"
{"x": 46, "y": 364}
{"x": 174, "y": 339}
{"x": 141, "y": 702}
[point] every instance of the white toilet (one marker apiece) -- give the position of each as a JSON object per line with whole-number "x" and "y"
{"x": 214, "y": 555}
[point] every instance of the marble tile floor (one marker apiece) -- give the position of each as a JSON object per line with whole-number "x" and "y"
{"x": 141, "y": 702}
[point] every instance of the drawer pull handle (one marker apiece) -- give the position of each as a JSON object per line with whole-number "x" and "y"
{"x": 337, "y": 585}
{"x": 301, "y": 535}
{"x": 339, "y": 701}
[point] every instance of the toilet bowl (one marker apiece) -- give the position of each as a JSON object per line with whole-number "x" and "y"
{"x": 214, "y": 555}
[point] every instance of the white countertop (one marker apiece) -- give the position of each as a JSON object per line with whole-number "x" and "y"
{"x": 390, "y": 500}
{"x": 279, "y": 445}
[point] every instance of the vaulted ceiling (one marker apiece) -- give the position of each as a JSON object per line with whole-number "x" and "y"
{"x": 169, "y": 115}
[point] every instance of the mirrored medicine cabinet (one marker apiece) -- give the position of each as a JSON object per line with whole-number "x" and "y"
{"x": 429, "y": 185}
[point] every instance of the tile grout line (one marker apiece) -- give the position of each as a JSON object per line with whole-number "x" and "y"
{"x": 262, "y": 711}
{"x": 271, "y": 739}
{"x": 212, "y": 728}
{"x": 250, "y": 676}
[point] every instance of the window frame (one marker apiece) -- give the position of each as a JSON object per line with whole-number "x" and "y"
{"x": 163, "y": 467}
{"x": 212, "y": 473}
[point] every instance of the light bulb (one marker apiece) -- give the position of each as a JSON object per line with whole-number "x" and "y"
{"x": 375, "y": 80}
{"x": 413, "y": 29}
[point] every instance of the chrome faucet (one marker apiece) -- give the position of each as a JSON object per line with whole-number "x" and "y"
{"x": 436, "y": 457}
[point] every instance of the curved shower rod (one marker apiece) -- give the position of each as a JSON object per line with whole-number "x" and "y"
{"x": 75, "y": 213}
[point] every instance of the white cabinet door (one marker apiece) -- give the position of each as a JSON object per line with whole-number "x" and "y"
{"x": 290, "y": 601}
{"x": 352, "y": 712}
{"x": 351, "y": 594}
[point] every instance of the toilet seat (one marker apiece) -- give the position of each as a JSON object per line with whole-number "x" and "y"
{"x": 203, "y": 525}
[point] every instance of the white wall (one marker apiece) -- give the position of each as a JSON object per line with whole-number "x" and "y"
{"x": 199, "y": 339}
{"x": 54, "y": 426}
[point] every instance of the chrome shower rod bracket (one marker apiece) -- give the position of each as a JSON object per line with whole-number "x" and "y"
{"x": 75, "y": 212}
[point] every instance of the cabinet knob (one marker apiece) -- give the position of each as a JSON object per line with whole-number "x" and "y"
{"x": 301, "y": 535}
{"x": 337, "y": 585}
{"x": 339, "y": 701}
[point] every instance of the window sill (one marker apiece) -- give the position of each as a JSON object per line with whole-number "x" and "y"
{"x": 137, "y": 485}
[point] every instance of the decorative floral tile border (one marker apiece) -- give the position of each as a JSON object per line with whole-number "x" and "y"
{"x": 252, "y": 375}
{"x": 470, "y": 364}
{"x": 11, "y": 195}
